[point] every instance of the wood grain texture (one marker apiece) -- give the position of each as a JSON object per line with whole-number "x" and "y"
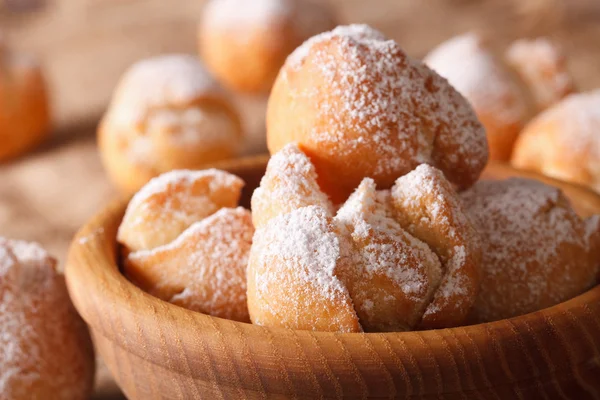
{"x": 160, "y": 351}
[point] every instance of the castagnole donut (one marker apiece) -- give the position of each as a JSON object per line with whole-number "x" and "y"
{"x": 358, "y": 106}
{"x": 536, "y": 251}
{"x": 186, "y": 242}
{"x": 501, "y": 101}
{"x": 391, "y": 276}
{"x": 374, "y": 266}
{"x": 292, "y": 274}
{"x": 45, "y": 348}
{"x": 563, "y": 141}
{"x": 245, "y": 43}
{"x": 166, "y": 113}
{"x": 427, "y": 206}
{"x": 290, "y": 182}
{"x": 24, "y": 104}
{"x": 542, "y": 65}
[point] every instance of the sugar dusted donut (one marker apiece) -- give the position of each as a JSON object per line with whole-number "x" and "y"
{"x": 427, "y": 206}
{"x": 166, "y": 113}
{"x": 245, "y": 43}
{"x": 186, "y": 242}
{"x": 358, "y": 106}
{"x": 500, "y": 100}
{"x": 45, "y": 348}
{"x": 170, "y": 203}
{"x": 390, "y": 275}
{"x": 24, "y": 104}
{"x": 292, "y": 279}
{"x": 542, "y": 65}
{"x": 290, "y": 182}
{"x": 536, "y": 251}
{"x": 563, "y": 142}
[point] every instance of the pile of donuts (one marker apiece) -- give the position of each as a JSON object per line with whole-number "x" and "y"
{"x": 370, "y": 216}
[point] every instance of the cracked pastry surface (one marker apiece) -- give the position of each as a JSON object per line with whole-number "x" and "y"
{"x": 186, "y": 241}
{"x": 378, "y": 261}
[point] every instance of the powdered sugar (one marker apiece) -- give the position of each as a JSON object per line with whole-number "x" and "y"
{"x": 289, "y": 183}
{"x": 390, "y": 103}
{"x": 295, "y": 255}
{"x": 472, "y": 69}
{"x": 43, "y": 347}
{"x": 535, "y": 251}
{"x": 171, "y": 202}
{"x": 169, "y": 80}
{"x": 541, "y": 64}
{"x": 208, "y": 260}
{"x": 243, "y": 14}
{"x": 428, "y": 207}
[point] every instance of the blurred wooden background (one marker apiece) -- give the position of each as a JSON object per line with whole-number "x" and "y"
{"x": 85, "y": 46}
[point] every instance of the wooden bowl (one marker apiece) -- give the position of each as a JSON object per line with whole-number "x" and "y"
{"x": 156, "y": 350}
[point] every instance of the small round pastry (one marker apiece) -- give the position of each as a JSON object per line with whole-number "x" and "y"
{"x": 536, "y": 251}
{"x": 542, "y": 65}
{"x": 500, "y": 100}
{"x": 166, "y": 113}
{"x": 359, "y": 107}
{"x": 24, "y": 104}
{"x": 45, "y": 348}
{"x": 391, "y": 276}
{"x": 245, "y": 43}
{"x": 427, "y": 206}
{"x": 289, "y": 183}
{"x": 171, "y": 202}
{"x": 563, "y": 142}
{"x": 292, "y": 279}
{"x": 185, "y": 242}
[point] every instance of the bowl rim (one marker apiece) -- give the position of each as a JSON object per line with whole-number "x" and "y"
{"x": 92, "y": 280}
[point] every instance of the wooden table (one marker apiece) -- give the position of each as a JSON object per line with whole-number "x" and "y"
{"x": 87, "y": 44}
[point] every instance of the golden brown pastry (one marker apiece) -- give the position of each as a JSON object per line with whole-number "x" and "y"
{"x": 24, "y": 105}
{"x": 290, "y": 182}
{"x": 166, "y": 113}
{"x": 358, "y": 106}
{"x": 427, "y": 206}
{"x": 292, "y": 278}
{"x": 536, "y": 251}
{"x": 45, "y": 348}
{"x": 374, "y": 266}
{"x": 245, "y": 43}
{"x": 501, "y": 101}
{"x": 186, "y": 242}
{"x": 542, "y": 65}
{"x": 563, "y": 141}
{"x": 391, "y": 276}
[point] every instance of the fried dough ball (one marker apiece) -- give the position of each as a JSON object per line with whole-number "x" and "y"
{"x": 542, "y": 65}
{"x": 428, "y": 208}
{"x": 563, "y": 141}
{"x": 245, "y": 43}
{"x": 359, "y": 107}
{"x": 391, "y": 276}
{"x": 501, "y": 101}
{"x": 166, "y": 113}
{"x": 45, "y": 347}
{"x": 536, "y": 251}
{"x": 24, "y": 104}
{"x": 379, "y": 256}
{"x": 290, "y": 182}
{"x": 169, "y": 204}
{"x": 186, "y": 243}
